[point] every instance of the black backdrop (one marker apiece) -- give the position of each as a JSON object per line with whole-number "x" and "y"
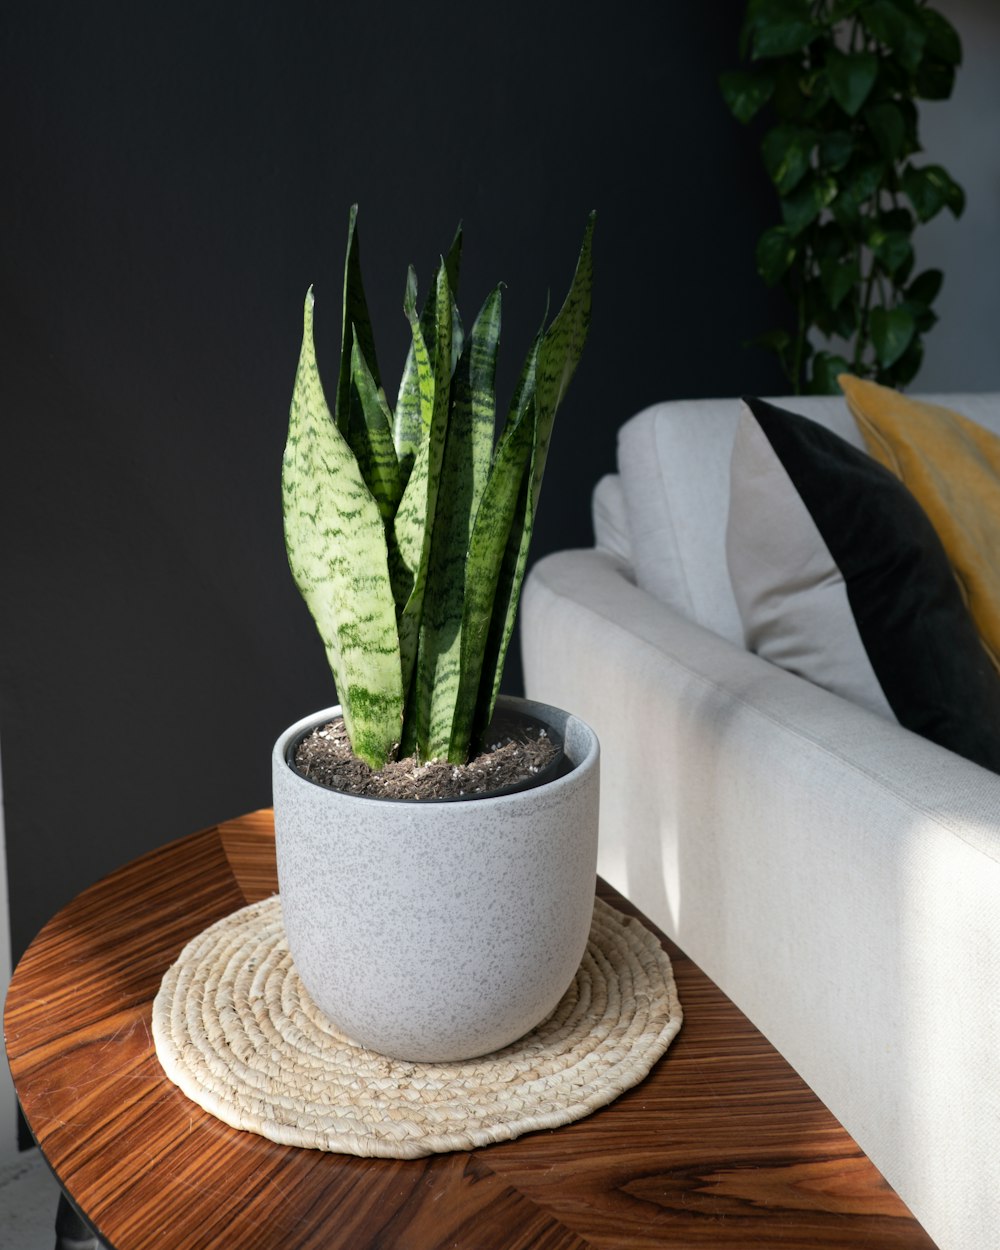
{"x": 174, "y": 176}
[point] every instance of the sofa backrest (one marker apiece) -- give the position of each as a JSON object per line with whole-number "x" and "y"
{"x": 673, "y": 473}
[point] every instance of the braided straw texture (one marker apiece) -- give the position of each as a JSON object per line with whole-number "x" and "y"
{"x": 236, "y": 1030}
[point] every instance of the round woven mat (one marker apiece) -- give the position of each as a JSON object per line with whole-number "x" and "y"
{"x": 236, "y": 1030}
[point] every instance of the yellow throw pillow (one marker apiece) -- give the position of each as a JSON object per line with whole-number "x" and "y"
{"x": 952, "y": 466}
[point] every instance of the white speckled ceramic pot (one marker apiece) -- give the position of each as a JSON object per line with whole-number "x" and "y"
{"x": 439, "y": 931}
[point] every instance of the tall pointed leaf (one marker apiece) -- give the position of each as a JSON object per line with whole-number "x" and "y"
{"x": 407, "y": 423}
{"x": 356, "y": 323}
{"x": 414, "y": 522}
{"x": 558, "y": 356}
{"x": 369, "y": 434}
{"x": 337, "y": 553}
{"x": 505, "y": 487}
{"x": 468, "y": 449}
{"x": 504, "y": 496}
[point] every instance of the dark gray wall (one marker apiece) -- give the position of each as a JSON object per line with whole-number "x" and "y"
{"x": 173, "y": 179}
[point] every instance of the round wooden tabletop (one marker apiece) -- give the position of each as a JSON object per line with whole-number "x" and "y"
{"x": 721, "y": 1146}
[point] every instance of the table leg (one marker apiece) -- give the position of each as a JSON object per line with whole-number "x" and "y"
{"x": 72, "y": 1230}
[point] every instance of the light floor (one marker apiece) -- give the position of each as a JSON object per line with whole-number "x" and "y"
{"x": 28, "y": 1198}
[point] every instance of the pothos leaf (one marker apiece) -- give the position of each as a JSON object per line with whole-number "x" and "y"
{"x": 892, "y": 329}
{"x": 746, "y": 92}
{"x": 852, "y": 76}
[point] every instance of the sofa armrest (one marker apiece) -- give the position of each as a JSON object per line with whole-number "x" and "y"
{"x": 836, "y": 875}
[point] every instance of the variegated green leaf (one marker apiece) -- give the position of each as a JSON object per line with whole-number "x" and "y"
{"x": 408, "y": 427}
{"x": 491, "y": 531}
{"x": 502, "y": 500}
{"x": 337, "y": 553}
{"x": 558, "y": 356}
{"x": 414, "y": 521}
{"x": 356, "y": 323}
{"x": 406, "y": 536}
{"x": 370, "y": 436}
{"x": 561, "y": 350}
{"x": 465, "y": 468}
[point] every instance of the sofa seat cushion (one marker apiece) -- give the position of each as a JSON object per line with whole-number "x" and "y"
{"x": 840, "y": 577}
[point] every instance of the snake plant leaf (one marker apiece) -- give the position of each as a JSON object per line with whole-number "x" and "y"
{"x": 504, "y": 496}
{"x": 407, "y": 423}
{"x": 404, "y": 545}
{"x": 414, "y": 522}
{"x": 558, "y": 355}
{"x": 337, "y": 553}
{"x": 356, "y": 323}
{"x": 464, "y": 473}
{"x": 562, "y": 347}
{"x": 370, "y": 436}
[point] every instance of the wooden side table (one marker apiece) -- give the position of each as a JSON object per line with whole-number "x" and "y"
{"x": 721, "y": 1146}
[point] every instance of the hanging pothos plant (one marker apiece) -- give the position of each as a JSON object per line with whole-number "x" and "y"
{"x": 840, "y": 79}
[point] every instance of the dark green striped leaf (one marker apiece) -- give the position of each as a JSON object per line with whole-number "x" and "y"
{"x": 414, "y": 522}
{"x": 370, "y": 436}
{"x": 464, "y": 473}
{"x": 356, "y": 322}
{"x": 558, "y": 355}
{"x": 505, "y": 494}
{"x": 408, "y": 427}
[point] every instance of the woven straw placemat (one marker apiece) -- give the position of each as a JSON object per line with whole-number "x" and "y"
{"x": 236, "y": 1030}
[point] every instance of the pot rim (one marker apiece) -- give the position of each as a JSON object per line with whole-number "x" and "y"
{"x": 553, "y": 718}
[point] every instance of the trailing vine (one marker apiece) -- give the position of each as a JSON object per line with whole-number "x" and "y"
{"x": 838, "y": 80}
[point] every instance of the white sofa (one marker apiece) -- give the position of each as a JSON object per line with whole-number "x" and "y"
{"x": 837, "y": 875}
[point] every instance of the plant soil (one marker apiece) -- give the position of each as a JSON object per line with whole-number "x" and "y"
{"x": 325, "y": 756}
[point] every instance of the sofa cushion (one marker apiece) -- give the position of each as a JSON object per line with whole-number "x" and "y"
{"x": 607, "y": 509}
{"x": 673, "y": 459}
{"x": 840, "y": 577}
{"x": 952, "y": 466}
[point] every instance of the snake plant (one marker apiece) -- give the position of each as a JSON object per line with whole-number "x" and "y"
{"x": 407, "y": 530}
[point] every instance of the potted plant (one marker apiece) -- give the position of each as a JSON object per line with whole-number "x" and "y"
{"x": 427, "y": 929}
{"x": 841, "y": 80}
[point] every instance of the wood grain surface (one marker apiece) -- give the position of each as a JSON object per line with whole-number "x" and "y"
{"x": 721, "y": 1146}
